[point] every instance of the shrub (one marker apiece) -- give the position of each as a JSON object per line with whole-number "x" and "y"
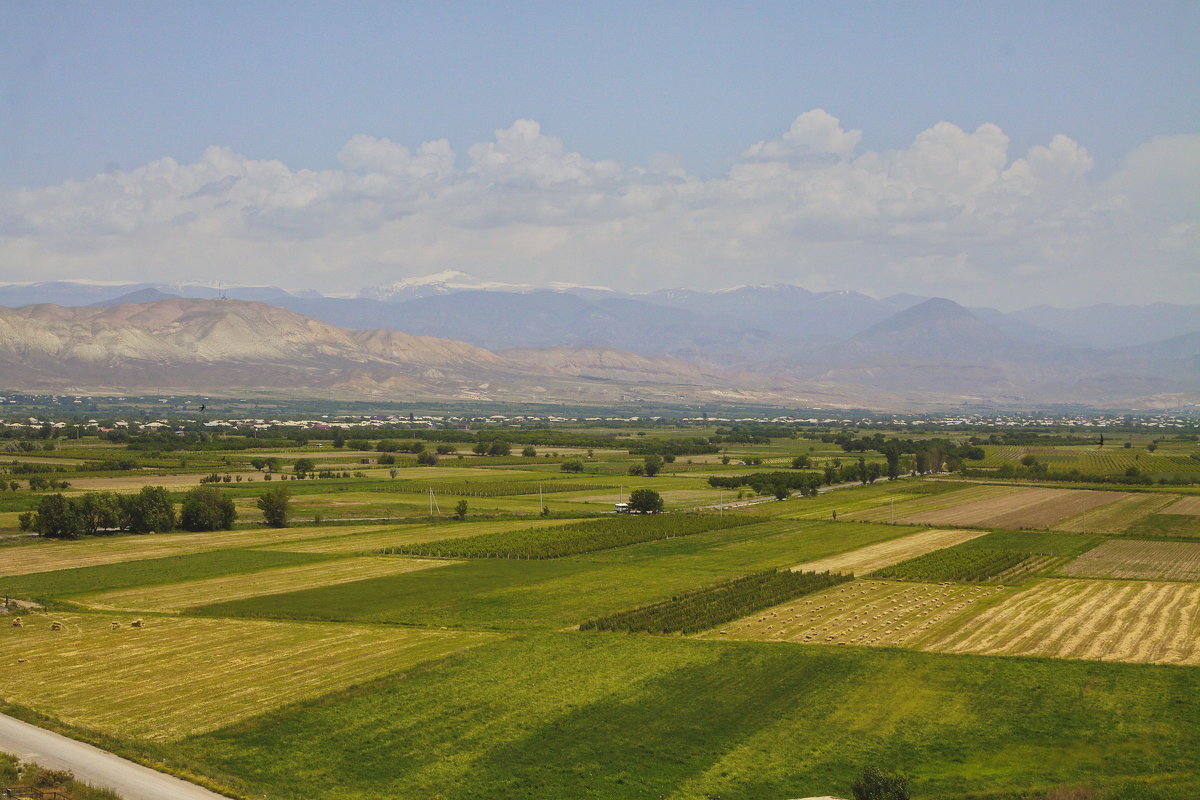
{"x": 206, "y": 508}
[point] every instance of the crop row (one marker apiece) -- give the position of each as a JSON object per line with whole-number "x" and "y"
{"x": 705, "y": 608}
{"x": 580, "y": 537}
{"x": 954, "y": 564}
{"x": 495, "y": 488}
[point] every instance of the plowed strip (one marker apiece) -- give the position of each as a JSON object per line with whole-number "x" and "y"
{"x": 1184, "y": 505}
{"x": 1116, "y": 517}
{"x": 1026, "y": 508}
{"x": 1134, "y": 558}
{"x": 934, "y": 502}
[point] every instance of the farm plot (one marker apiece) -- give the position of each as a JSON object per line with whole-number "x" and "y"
{"x": 45, "y": 556}
{"x": 379, "y": 540}
{"x": 1184, "y": 505}
{"x": 1116, "y": 517}
{"x": 1133, "y": 558}
{"x": 178, "y": 596}
{"x": 876, "y": 556}
{"x": 1106, "y": 620}
{"x": 1025, "y": 508}
{"x": 866, "y": 613}
{"x": 178, "y": 677}
{"x": 929, "y": 503}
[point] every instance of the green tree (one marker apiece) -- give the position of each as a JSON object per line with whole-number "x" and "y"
{"x": 303, "y": 466}
{"x": 460, "y": 509}
{"x": 425, "y": 458}
{"x": 645, "y": 501}
{"x": 652, "y": 465}
{"x": 801, "y": 462}
{"x": 150, "y": 510}
{"x": 499, "y": 448}
{"x": 571, "y": 466}
{"x": 100, "y": 511}
{"x": 875, "y": 784}
{"x": 274, "y": 504}
{"x": 207, "y": 508}
{"x": 529, "y": 452}
{"x": 58, "y": 518}
{"x": 339, "y": 438}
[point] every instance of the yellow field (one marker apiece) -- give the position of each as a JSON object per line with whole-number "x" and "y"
{"x": 52, "y": 554}
{"x": 178, "y": 677}
{"x": 134, "y": 481}
{"x": 877, "y": 556}
{"x": 1104, "y": 620}
{"x": 932, "y": 502}
{"x": 1116, "y": 517}
{"x": 1184, "y": 505}
{"x": 1134, "y": 558}
{"x": 178, "y": 596}
{"x": 376, "y": 540}
{"x": 865, "y": 613}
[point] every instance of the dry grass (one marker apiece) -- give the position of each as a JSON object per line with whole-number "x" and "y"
{"x": 44, "y": 556}
{"x": 178, "y": 596}
{"x": 933, "y": 502}
{"x": 135, "y": 481}
{"x": 877, "y": 556}
{"x": 1116, "y": 517}
{"x": 177, "y": 677}
{"x": 1104, "y": 620}
{"x": 1134, "y": 558}
{"x": 865, "y": 613}
{"x": 1024, "y": 508}
{"x": 1184, "y": 505}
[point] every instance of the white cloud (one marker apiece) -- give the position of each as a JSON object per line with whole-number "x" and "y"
{"x": 953, "y": 213}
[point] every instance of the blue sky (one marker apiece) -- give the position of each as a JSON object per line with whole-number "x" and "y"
{"x": 111, "y": 87}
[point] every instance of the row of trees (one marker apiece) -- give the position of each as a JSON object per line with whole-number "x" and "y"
{"x": 151, "y": 510}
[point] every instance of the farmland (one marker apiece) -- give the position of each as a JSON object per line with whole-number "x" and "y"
{"x": 1133, "y": 558}
{"x": 389, "y": 642}
{"x": 1137, "y": 621}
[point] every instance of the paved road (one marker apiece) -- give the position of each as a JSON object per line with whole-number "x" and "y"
{"x": 93, "y": 765}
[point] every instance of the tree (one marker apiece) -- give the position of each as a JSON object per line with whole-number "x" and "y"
{"x": 781, "y": 492}
{"x": 303, "y": 466}
{"x": 801, "y": 462}
{"x": 645, "y": 501}
{"x": 207, "y": 508}
{"x": 637, "y": 469}
{"x": 571, "y": 466}
{"x": 875, "y": 784}
{"x": 529, "y": 452}
{"x": 358, "y": 444}
{"x": 339, "y": 438}
{"x": 652, "y": 465}
{"x": 499, "y": 448}
{"x": 425, "y": 458}
{"x": 274, "y": 505}
{"x": 446, "y": 449}
{"x": 150, "y": 510}
{"x": 58, "y": 518}
{"x": 480, "y": 448}
{"x": 460, "y": 509}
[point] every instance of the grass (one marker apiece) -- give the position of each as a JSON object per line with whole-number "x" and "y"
{"x": 516, "y": 594}
{"x": 176, "y": 676}
{"x": 1174, "y": 526}
{"x": 600, "y": 716}
{"x": 148, "y": 572}
{"x": 179, "y": 596}
{"x": 1037, "y": 542}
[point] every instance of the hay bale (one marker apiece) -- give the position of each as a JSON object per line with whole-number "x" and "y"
{"x": 137, "y": 623}
{"x": 56, "y": 626}
{"x": 116, "y": 625}
{"x": 17, "y": 623}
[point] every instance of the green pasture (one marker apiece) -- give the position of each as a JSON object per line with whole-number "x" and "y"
{"x": 620, "y": 716}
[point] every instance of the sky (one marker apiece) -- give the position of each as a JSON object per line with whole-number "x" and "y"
{"x": 1000, "y": 154}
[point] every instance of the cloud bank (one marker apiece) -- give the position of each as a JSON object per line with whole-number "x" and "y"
{"x": 953, "y": 214}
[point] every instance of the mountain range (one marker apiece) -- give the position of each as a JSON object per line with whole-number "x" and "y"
{"x": 451, "y": 336}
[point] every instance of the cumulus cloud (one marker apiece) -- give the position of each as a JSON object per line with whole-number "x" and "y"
{"x": 954, "y": 213}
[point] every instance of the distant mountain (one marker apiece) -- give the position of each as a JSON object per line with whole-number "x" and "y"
{"x": 452, "y": 280}
{"x": 1108, "y": 325}
{"x": 147, "y": 295}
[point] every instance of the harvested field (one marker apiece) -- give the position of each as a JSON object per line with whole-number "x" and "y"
{"x": 178, "y": 596}
{"x": 1142, "y": 621}
{"x": 877, "y": 556}
{"x": 1184, "y": 505}
{"x": 1116, "y": 517}
{"x": 177, "y": 677}
{"x": 47, "y": 555}
{"x": 137, "y": 479}
{"x": 1135, "y": 558}
{"x": 865, "y": 613}
{"x": 1025, "y": 508}
{"x": 376, "y": 540}
{"x": 933, "y": 502}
